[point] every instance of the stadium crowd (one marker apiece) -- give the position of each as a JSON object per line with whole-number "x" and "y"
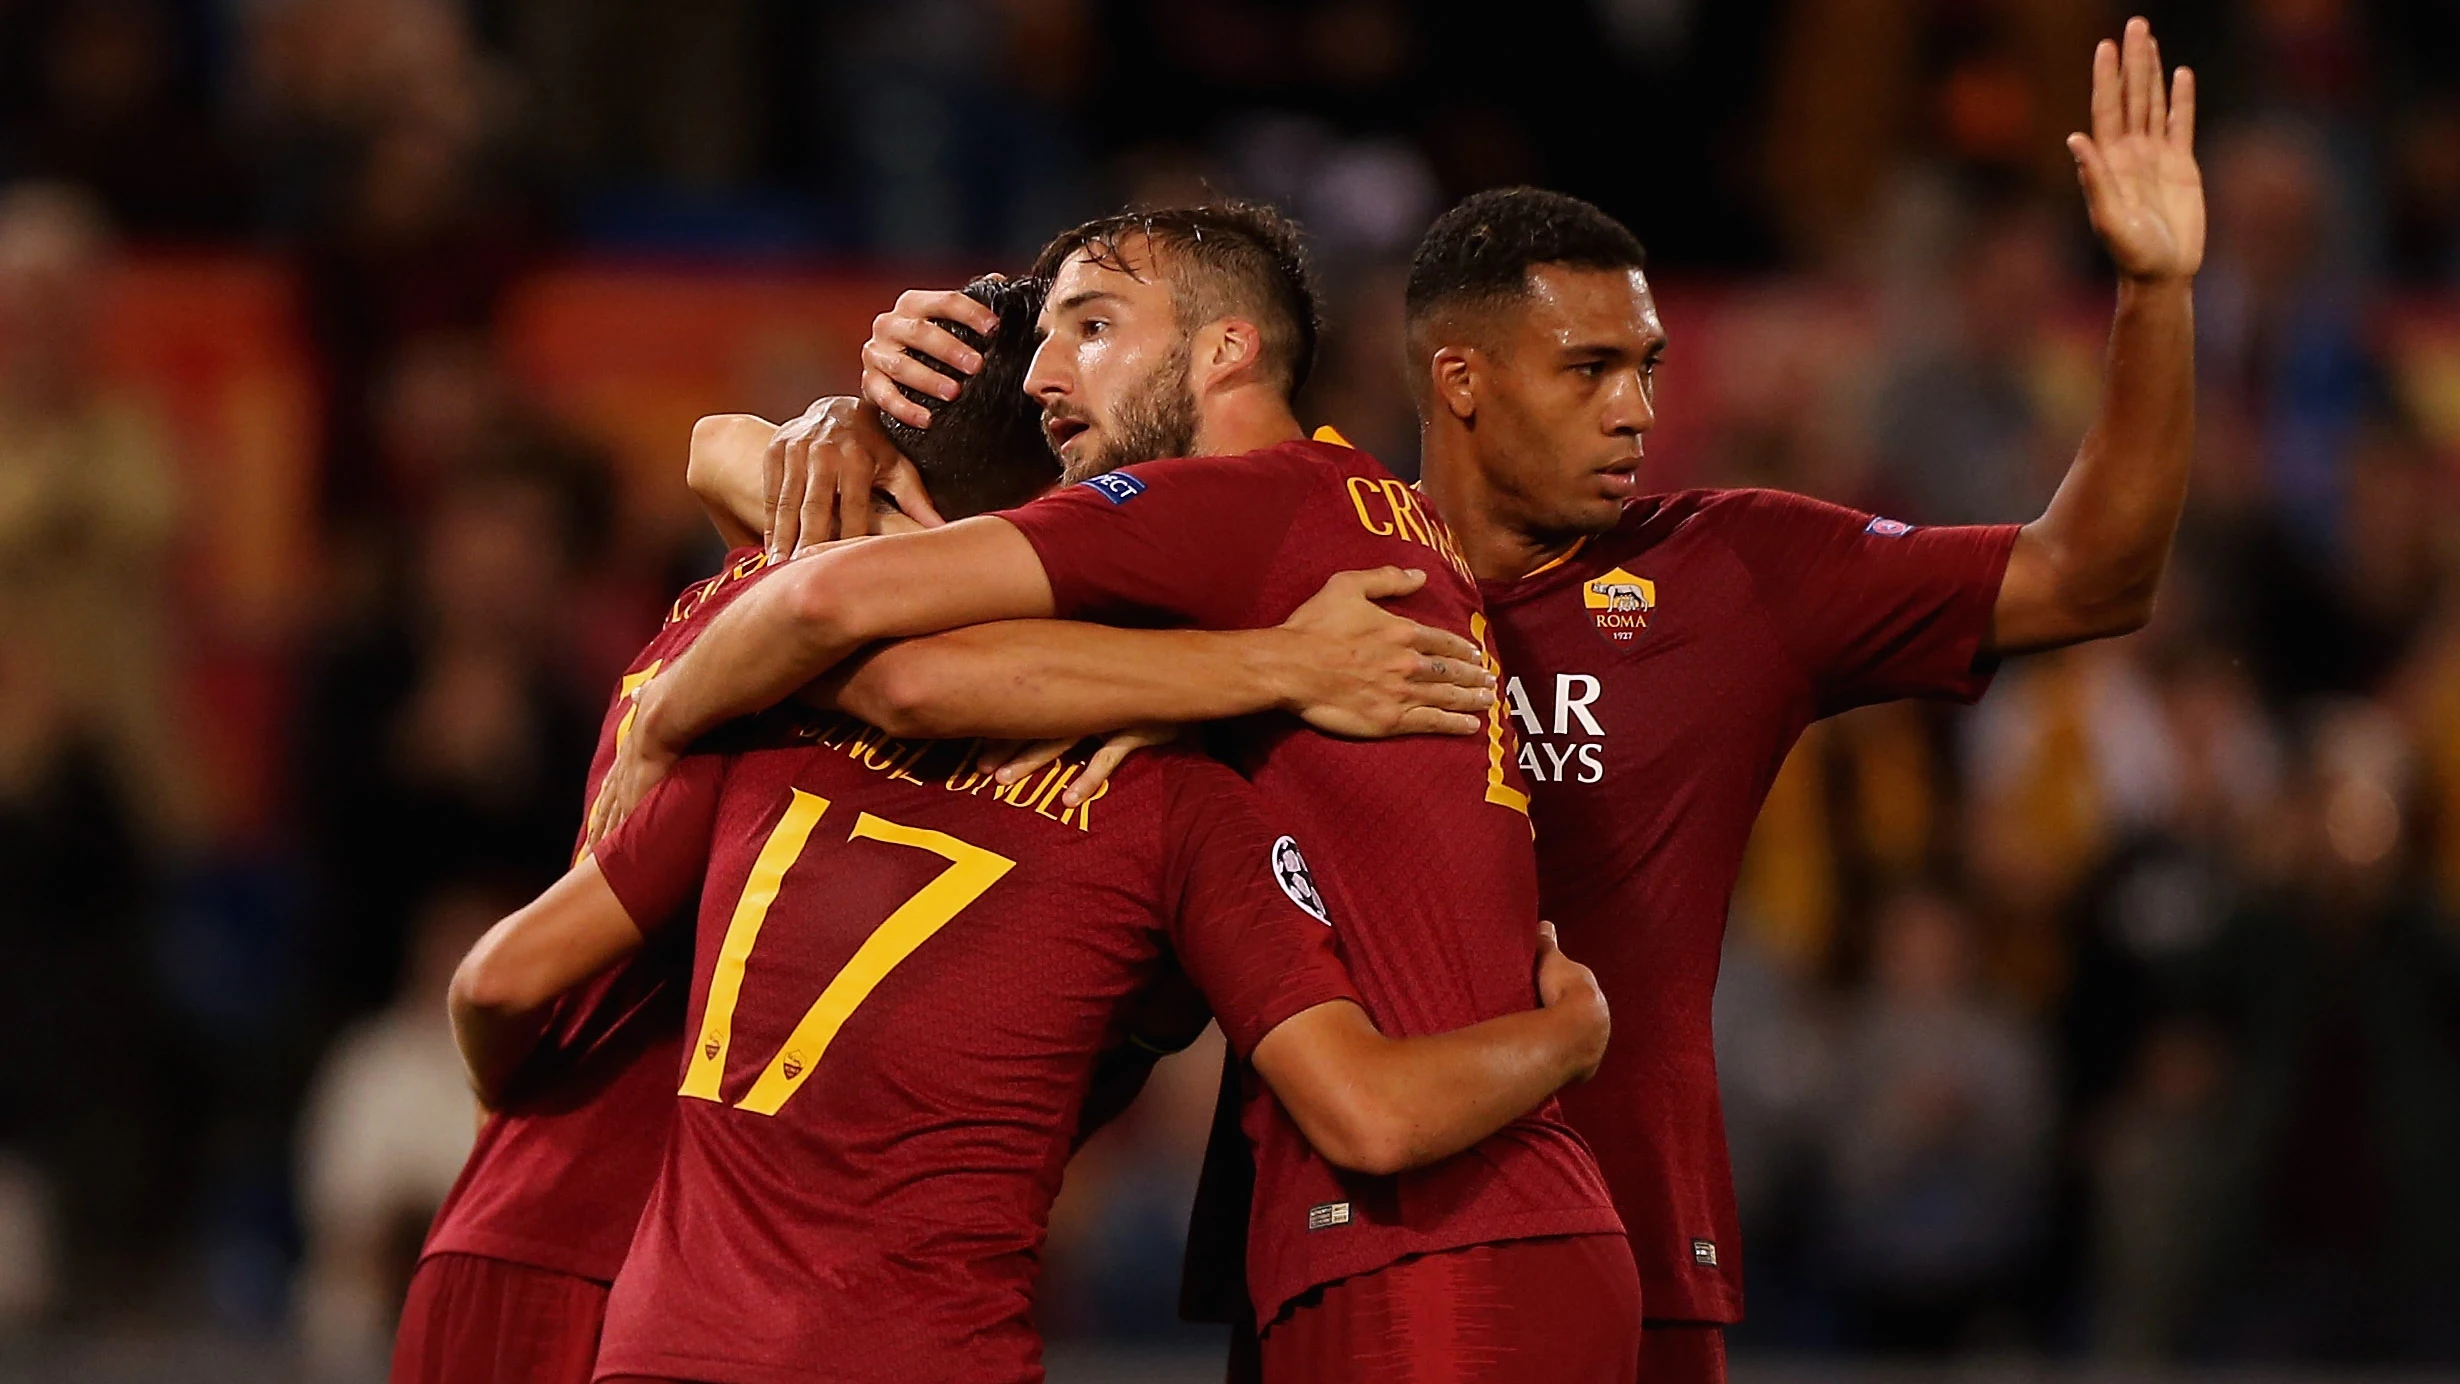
{"x": 2112, "y": 1017}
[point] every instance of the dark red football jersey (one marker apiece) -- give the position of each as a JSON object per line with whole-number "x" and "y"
{"x": 1658, "y": 677}
{"x": 559, "y": 1175}
{"x": 903, "y": 978}
{"x": 1421, "y": 844}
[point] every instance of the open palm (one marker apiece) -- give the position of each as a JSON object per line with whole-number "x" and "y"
{"x": 2141, "y": 184}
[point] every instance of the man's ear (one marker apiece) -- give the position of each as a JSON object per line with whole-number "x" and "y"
{"x": 1225, "y": 352}
{"x": 1452, "y": 374}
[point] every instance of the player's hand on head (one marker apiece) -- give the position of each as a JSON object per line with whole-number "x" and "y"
{"x": 1566, "y": 986}
{"x": 2142, "y": 186}
{"x": 822, "y": 469}
{"x": 908, "y": 327}
{"x": 1365, "y": 672}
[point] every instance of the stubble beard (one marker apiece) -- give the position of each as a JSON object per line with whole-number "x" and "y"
{"x": 1157, "y": 420}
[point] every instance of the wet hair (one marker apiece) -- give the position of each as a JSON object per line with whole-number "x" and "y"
{"x": 1225, "y": 259}
{"x": 1478, "y": 255}
{"x": 985, "y": 449}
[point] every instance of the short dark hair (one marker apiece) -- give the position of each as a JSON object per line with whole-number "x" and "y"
{"x": 1248, "y": 260}
{"x": 1479, "y": 254}
{"x": 985, "y": 449}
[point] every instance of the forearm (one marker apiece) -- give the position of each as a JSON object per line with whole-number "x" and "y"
{"x": 1053, "y": 679}
{"x": 494, "y": 1042}
{"x": 2104, "y": 540}
{"x": 728, "y": 474}
{"x": 816, "y": 611}
{"x": 1444, "y": 1093}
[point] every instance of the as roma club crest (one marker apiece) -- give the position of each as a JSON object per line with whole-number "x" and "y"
{"x": 1620, "y": 603}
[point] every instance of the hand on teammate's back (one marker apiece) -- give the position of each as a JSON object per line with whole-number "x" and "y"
{"x": 2141, "y": 183}
{"x": 1567, "y": 987}
{"x": 822, "y": 469}
{"x": 908, "y": 327}
{"x": 1009, "y": 761}
{"x": 1364, "y": 672}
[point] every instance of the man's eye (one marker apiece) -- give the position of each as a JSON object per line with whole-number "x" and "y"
{"x": 1094, "y": 326}
{"x": 1591, "y": 369}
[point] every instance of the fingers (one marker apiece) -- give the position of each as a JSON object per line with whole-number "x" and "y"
{"x": 786, "y": 502}
{"x": 1547, "y": 941}
{"x": 1451, "y": 696}
{"x": 882, "y": 393}
{"x": 923, "y": 304}
{"x": 2090, "y": 170}
{"x": 2182, "y": 110}
{"x": 886, "y": 353}
{"x": 1028, "y": 758}
{"x": 1384, "y": 583}
{"x": 1430, "y": 720}
{"x": 853, "y": 499}
{"x": 1446, "y": 645}
{"x": 904, "y": 485}
{"x": 2157, "y": 90}
{"x": 2138, "y": 75}
{"x": 1097, "y": 770}
{"x": 818, "y": 515}
{"x": 2109, "y": 100}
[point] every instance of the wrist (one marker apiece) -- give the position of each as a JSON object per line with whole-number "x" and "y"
{"x": 654, "y": 735}
{"x": 2140, "y": 287}
{"x": 1282, "y": 678}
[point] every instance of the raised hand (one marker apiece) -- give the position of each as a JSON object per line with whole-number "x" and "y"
{"x": 2141, "y": 184}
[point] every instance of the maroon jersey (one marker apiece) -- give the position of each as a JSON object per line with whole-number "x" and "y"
{"x": 904, "y": 976}
{"x": 558, "y": 1176}
{"x": 1421, "y": 844}
{"x": 1659, "y": 676}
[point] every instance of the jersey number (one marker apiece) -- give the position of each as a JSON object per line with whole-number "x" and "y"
{"x": 971, "y": 871}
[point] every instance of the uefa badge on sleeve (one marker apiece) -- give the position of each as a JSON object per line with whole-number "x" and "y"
{"x": 1118, "y": 487}
{"x": 1887, "y": 528}
{"x": 1296, "y": 880}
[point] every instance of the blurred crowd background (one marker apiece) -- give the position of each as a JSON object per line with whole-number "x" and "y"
{"x": 348, "y": 350}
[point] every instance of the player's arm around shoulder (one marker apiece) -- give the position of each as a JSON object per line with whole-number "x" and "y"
{"x": 1381, "y": 1105}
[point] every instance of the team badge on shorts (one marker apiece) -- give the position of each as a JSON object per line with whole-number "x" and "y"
{"x": 1620, "y": 604}
{"x": 1888, "y": 528}
{"x": 1118, "y": 487}
{"x": 1291, "y": 873}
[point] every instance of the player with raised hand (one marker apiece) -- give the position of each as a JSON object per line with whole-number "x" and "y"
{"x": 1183, "y": 334}
{"x": 513, "y": 1278}
{"x": 1667, "y": 650}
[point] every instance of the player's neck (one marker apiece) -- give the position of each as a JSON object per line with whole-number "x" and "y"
{"x": 1496, "y": 548}
{"x": 1244, "y": 421}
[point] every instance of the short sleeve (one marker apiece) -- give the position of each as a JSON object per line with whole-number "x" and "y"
{"x": 1873, "y": 609}
{"x": 1246, "y": 919}
{"x": 654, "y": 861}
{"x": 1180, "y": 542}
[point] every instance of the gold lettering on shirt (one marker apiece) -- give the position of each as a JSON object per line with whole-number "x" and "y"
{"x": 955, "y": 766}
{"x": 1390, "y": 509}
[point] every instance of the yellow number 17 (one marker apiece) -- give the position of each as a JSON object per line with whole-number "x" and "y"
{"x": 971, "y": 871}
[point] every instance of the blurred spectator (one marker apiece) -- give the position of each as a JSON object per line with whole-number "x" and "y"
{"x": 449, "y": 736}
{"x": 2337, "y": 1223}
{"x": 2152, "y": 1157}
{"x": 109, "y": 94}
{"x": 388, "y": 1121}
{"x": 94, "y": 793}
{"x": 1959, "y": 429}
{"x": 1940, "y": 1109}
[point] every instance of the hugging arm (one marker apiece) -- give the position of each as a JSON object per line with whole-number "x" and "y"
{"x": 504, "y": 991}
{"x": 1384, "y": 1105}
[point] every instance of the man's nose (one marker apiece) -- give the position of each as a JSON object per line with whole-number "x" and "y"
{"x": 1629, "y": 411}
{"x": 1045, "y": 378}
